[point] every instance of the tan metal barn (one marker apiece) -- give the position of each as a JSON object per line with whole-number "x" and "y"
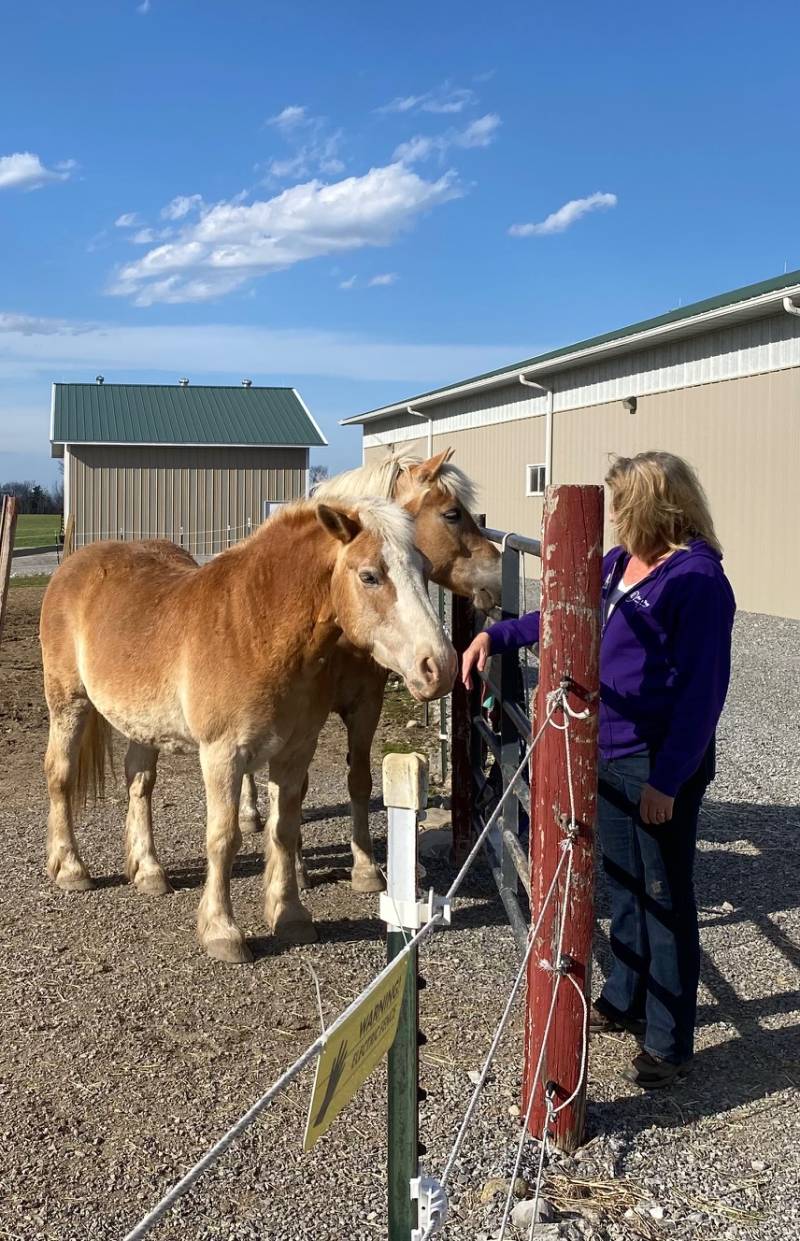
{"x": 200, "y": 465}
{"x": 717, "y": 382}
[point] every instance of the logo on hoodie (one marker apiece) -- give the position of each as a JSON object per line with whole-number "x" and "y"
{"x": 638, "y": 598}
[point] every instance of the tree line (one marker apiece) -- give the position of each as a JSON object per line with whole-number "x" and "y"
{"x": 33, "y": 497}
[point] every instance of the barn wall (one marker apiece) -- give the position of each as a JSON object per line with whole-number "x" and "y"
{"x": 742, "y": 434}
{"x": 135, "y": 492}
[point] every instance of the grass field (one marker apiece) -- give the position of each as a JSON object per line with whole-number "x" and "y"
{"x": 31, "y": 579}
{"x": 37, "y": 530}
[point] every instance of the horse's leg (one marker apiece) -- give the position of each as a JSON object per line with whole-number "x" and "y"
{"x": 68, "y": 720}
{"x": 250, "y": 820}
{"x": 142, "y": 866}
{"x": 284, "y": 912}
{"x": 303, "y": 880}
{"x": 218, "y": 933}
{"x": 361, "y": 722}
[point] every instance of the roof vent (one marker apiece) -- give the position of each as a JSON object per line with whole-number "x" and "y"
{"x": 184, "y": 383}
{"x": 247, "y": 383}
{"x": 99, "y": 379}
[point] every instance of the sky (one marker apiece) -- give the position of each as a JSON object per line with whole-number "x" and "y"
{"x": 365, "y": 201}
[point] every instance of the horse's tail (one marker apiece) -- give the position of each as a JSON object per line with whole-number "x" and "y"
{"x": 95, "y": 751}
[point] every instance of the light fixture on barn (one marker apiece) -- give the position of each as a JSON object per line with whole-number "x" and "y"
{"x": 631, "y": 404}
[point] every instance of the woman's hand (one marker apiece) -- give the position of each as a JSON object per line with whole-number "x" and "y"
{"x": 655, "y": 808}
{"x": 476, "y": 653}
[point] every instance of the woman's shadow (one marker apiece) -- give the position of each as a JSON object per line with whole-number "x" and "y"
{"x": 752, "y": 892}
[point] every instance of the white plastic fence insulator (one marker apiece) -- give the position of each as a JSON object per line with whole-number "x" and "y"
{"x": 433, "y": 1207}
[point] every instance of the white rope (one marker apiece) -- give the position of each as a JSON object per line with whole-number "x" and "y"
{"x": 555, "y": 700}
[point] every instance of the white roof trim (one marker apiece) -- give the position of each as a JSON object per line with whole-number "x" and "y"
{"x": 176, "y": 444}
{"x": 312, "y": 420}
{"x": 564, "y": 361}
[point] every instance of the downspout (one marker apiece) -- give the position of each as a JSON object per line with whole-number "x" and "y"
{"x": 789, "y": 307}
{"x": 548, "y": 426}
{"x": 67, "y": 496}
{"x": 418, "y": 414}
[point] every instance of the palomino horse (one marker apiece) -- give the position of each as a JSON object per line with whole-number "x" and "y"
{"x": 440, "y": 498}
{"x": 226, "y": 659}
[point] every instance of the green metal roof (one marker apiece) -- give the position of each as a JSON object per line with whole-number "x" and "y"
{"x": 722, "y": 300}
{"x": 101, "y": 413}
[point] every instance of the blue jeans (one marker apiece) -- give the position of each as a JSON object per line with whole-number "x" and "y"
{"x": 654, "y": 934}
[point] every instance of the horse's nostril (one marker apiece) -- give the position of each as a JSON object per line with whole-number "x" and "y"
{"x": 429, "y": 670}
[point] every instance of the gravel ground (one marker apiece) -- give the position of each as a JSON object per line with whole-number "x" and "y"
{"x": 124, "y": 1052}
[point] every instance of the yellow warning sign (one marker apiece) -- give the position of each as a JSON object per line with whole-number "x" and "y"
{"x": 353, "y": 1051}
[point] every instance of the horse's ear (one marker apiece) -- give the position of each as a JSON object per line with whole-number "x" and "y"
{"x": 428, "y": 470}
{"x": 342, "y": 523}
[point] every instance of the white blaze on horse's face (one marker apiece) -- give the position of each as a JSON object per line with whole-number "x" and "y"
{"x": 381, "y": 598}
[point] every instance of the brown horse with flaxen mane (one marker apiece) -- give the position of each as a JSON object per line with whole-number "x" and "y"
{"x": 225, "y": 659}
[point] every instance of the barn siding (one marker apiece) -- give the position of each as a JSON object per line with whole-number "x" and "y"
{"x": 742, "y": 435}
{"x": 135, "y": 492}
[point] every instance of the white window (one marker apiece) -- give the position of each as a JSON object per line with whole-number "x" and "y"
{"x": 535, "y": 479}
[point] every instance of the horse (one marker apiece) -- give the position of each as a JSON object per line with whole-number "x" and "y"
{"x": 225, "y": 659}
{"x": 440, "y": 498}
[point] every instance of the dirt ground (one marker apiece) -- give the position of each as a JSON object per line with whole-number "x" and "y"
{"x": 124, "y": 1052}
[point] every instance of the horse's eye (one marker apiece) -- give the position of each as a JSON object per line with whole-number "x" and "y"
{"x": 368, "y": 577}
{"x": 452, "y": 514}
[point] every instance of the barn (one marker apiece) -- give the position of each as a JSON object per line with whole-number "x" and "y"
{"x": 717, "y": 382}
{"x": 200, "y": 465}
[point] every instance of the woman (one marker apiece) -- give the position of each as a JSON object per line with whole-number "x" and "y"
{"x": 667, "y": 616}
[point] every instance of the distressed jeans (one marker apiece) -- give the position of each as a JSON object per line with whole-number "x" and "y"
{"x": 654, "y": 934}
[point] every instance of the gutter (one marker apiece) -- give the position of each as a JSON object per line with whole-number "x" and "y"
{"x": 790, "y": 307}
{"x": 548, "y": 427}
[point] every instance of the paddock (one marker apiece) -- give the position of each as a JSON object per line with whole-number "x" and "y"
{"x": 124, "y": 1053}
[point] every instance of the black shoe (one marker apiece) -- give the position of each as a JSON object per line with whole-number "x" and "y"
{"x": 651, "y": 1073}
{"x": 607, "y": 1020}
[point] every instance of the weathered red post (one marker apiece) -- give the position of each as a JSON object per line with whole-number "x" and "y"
{"x": 572, "y": 540}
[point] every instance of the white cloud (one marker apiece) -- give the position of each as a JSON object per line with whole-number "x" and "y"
{"x": 479, "y": 133}
{"x": 129, "y": 219}
{"x": 290, "y": 117}
{"x": 559, "y": 221}
{"x": 387, "y": 277}
{"x": 349, "y": 283}
{"x": 25, "y": 171}
{"x": 181, "y": 206}
{"x": 416, "y": 149}
{"x": 445, "y": 100}
{"x": 144, "y": 7}
{"x": 144, "y": 237}
{"x": 232, "y": 243}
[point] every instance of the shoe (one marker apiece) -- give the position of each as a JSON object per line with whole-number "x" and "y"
{"x": 652, "y": 1073}
{"x": 606, "y": 1020}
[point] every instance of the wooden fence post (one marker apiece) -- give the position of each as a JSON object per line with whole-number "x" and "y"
{"x": 464, "y": 706}
{"x": 69, "y": 537}
{"x": 8, "y": 525}
{"x": 572, "y": 540}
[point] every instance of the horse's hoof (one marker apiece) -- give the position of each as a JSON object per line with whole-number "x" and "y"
{"x": 154, "y": 884}
{"x": 296, "y": 933}
{"x": 231, "y": 951}
{"x": 369, "y": 879}
{"x": 73, "y": 883}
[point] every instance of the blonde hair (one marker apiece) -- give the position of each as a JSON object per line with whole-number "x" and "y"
{"x": 659, "y": 504}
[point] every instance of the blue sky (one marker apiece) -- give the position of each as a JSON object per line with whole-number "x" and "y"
{"x": 368, "y": 200}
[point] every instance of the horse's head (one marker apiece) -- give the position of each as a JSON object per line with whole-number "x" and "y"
{"x": 380, "y": 597}
{"x": 439, "y": 497}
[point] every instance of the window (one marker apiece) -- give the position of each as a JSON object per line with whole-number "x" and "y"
{"x": 535, "y": 479}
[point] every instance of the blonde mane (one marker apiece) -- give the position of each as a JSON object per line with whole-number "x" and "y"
{"x": 388, "y": 521}
{"x": 380, "y": 479}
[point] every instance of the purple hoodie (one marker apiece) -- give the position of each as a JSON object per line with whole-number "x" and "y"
{"x": 665, "y": 659}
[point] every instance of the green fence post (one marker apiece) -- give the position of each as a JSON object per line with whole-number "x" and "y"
{"x": 405, "y": 787}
